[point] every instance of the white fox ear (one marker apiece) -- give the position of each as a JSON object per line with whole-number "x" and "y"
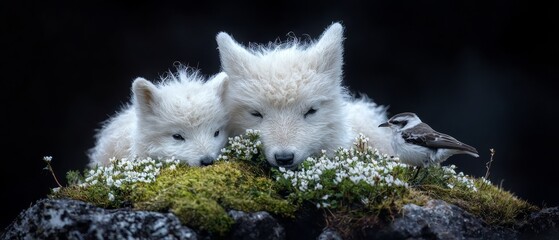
{"x": 235, "y": 59}
{"x": 219, "y": 82}
{"x": 145, "y": 95}
{"x": 329, "y": 49}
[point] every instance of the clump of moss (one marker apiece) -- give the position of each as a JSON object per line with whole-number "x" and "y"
{"x": 97, "y": 195}
{"x": 359, "y": 175}
{"x": 201, "y": 196}
{"x": 110, "y": 186}
{"x": 478, "y": 196}
{"x": 360, "y": 187}
{"x": 494, "y": 205}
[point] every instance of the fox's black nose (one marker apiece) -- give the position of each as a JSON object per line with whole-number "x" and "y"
{"x": 284, "y": 158}
{"x": 205, "y": 161}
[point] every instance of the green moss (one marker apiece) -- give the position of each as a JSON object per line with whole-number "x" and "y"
{"x": 490, "y": 203}
{"x": 494, "y": 205}
{"x": 95, "y": 194}
{"x": 201, "y": 196}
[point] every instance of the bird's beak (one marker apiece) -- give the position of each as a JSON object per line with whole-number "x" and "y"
{"x": 386, "y": 124}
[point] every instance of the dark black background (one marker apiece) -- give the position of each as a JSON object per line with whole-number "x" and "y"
{"x": 480, "y": 71}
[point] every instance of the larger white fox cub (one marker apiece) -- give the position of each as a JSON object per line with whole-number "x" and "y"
{"x": 292, "y": 93}
{"x": 182, "y": 116}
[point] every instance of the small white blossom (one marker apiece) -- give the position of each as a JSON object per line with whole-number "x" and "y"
{"x": 358, "y": 165}
{"x": 124, "y": 171}
{"x": 365, "y": 201}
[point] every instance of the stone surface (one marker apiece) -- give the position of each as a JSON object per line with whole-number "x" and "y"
{"x": 543, "y": 224}
{"x": 255, "y": 226}
{"x": 70, "y": 219}
{"x": 439, "y": 220}
{"x": 329, "y": 234}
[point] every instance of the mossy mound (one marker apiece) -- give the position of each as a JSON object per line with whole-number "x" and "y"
{"x": 357, "y": 187}
{"x": 199, "y": 196}
{"x": 490, "y": 203}
{"x": 494, "y": 205}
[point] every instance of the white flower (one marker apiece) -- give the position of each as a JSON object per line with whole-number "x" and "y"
{"x": 118, "y": 183}
{"x": 111, "y": 197}
{"x": 357, "y": 165}
{"x": 365, "y": 201}
{"x": 325, "y": 204}
{"x": 110, "y": 181}
{"x": 47, "y": 158}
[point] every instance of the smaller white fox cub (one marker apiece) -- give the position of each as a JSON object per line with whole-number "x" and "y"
{"x": 181, "y": 116}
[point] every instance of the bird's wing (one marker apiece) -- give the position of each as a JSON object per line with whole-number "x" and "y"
{"x": 424, "y": 135}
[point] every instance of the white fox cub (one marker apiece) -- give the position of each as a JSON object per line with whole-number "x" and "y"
{"x": 292, "y": 93}
{"x": 182, "y": 116}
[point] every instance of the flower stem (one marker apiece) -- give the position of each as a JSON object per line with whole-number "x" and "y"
{"x": 488, "y": 164}
{"x": 53, "y": 175}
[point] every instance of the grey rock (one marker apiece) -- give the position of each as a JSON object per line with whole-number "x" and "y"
{"x": 329, "y": 234}
{"x": 256, "y": 225}
{"x": 71, "y": 219}
{"x": 543, "y": 224}
{"x": 440, "y": 220}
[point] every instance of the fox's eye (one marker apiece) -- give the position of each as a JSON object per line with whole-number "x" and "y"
{"x": 178, "y": 137}
{"x": 311, "y": 111}
{"x": 256, "y": 114}
{"x": 216, "y": 133}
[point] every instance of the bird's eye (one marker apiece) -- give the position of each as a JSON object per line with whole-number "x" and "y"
{"x": 395, "y": 122}
{"x": 256, "y": 114}
{"x": 311, "y": 111}
{"x": 178, "y": 137}
{"x": 216, "y": 133}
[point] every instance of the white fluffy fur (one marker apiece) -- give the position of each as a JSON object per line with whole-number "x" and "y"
{"x": 282, "y": 82}
{"x": 181, "y": 103}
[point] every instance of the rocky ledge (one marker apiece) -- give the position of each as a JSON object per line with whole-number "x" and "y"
{"x": 71, "y": 219}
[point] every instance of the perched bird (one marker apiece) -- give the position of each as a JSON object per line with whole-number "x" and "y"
{"x": 417, "y": 144}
